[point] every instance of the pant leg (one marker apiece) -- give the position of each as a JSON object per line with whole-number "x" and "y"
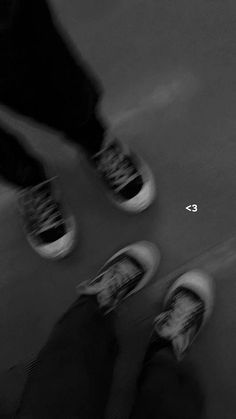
{"x": 17, "y": 166}
{"x": 50, "y": 84}
{"x": 73, "y": 372}
{"x": 168, "y": 389}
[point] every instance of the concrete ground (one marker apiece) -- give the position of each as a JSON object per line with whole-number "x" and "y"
{"x": 169, "y": 73}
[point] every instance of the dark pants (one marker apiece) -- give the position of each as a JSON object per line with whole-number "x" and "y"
{"x": 72, "y": 375}
{"x": 48, "y": 84}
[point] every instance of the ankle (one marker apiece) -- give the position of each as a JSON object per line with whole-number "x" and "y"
{"x": 157, "y": 345}
{"x": 32, "y": 176}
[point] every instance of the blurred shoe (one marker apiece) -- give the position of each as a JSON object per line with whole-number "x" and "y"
{"x": 128, "y": 178}
{"x": 187, "y": 306}
{"x": 125, "y": 273}
{"x": 49, "y": 230}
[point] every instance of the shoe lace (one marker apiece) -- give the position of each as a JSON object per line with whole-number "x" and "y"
{"x": 42, "y": 209}
{"x": 115, "y": 280}
{"x": 116, "y": 167}
{"x": 180, "y": 317}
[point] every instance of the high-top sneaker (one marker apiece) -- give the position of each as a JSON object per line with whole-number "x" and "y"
{"x": 123, "y": 274}
{"x": 187, "y": 306}
{"x": 49, "y": 230}
{"x": 128, "y": 178}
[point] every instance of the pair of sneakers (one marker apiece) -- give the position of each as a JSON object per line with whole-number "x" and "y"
{"x": 51, "y": 229}
{"x": 186, "y": 307}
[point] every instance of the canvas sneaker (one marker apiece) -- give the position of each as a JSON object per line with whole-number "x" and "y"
{"x": 128, "y": 178}
{"x": 187, "y": 306}
{"x": 125, "y": 273}
{"x": 49, "y": 230}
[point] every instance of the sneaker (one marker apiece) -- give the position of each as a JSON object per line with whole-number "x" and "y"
{"x": 48, "y": 230}
{"x": 129, "y": 180}
{"x": 125, "y": 273}
{"x": 187, "y": 306}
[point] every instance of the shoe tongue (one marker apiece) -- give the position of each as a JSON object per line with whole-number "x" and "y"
{"x": 110, "y": 159}
{"x": 177, "y": 319}
{"x": 112, "y": 147}
{"x": 122, "y": 272}
{"x": 44, "y": 187}
{"x": 120, "y": 171}
{"x": 51, "y": 231}
{"x": 118, "y": 280}
{"x": 185, "y": 305}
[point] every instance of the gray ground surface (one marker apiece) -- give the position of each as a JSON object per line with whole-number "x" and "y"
{"x": 169, "y": 72}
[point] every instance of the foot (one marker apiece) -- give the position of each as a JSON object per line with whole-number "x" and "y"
{"x": 129, "y": 180}
{"x": 50, "y": 232}
{"x": 187, "y": 306}
{"x": 125, "y": 273}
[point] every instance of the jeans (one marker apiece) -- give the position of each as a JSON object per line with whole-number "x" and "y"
{"x": 48, "y": 84}
{"x": 73, "y": 372}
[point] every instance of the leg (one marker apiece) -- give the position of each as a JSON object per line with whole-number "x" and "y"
{"x": 17, "y": 166}
{"x": 73, "y": 372}
{"x": 56, "y": 90}
{"x": 168, "y": 389}
{"x": 48, "y": 84}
